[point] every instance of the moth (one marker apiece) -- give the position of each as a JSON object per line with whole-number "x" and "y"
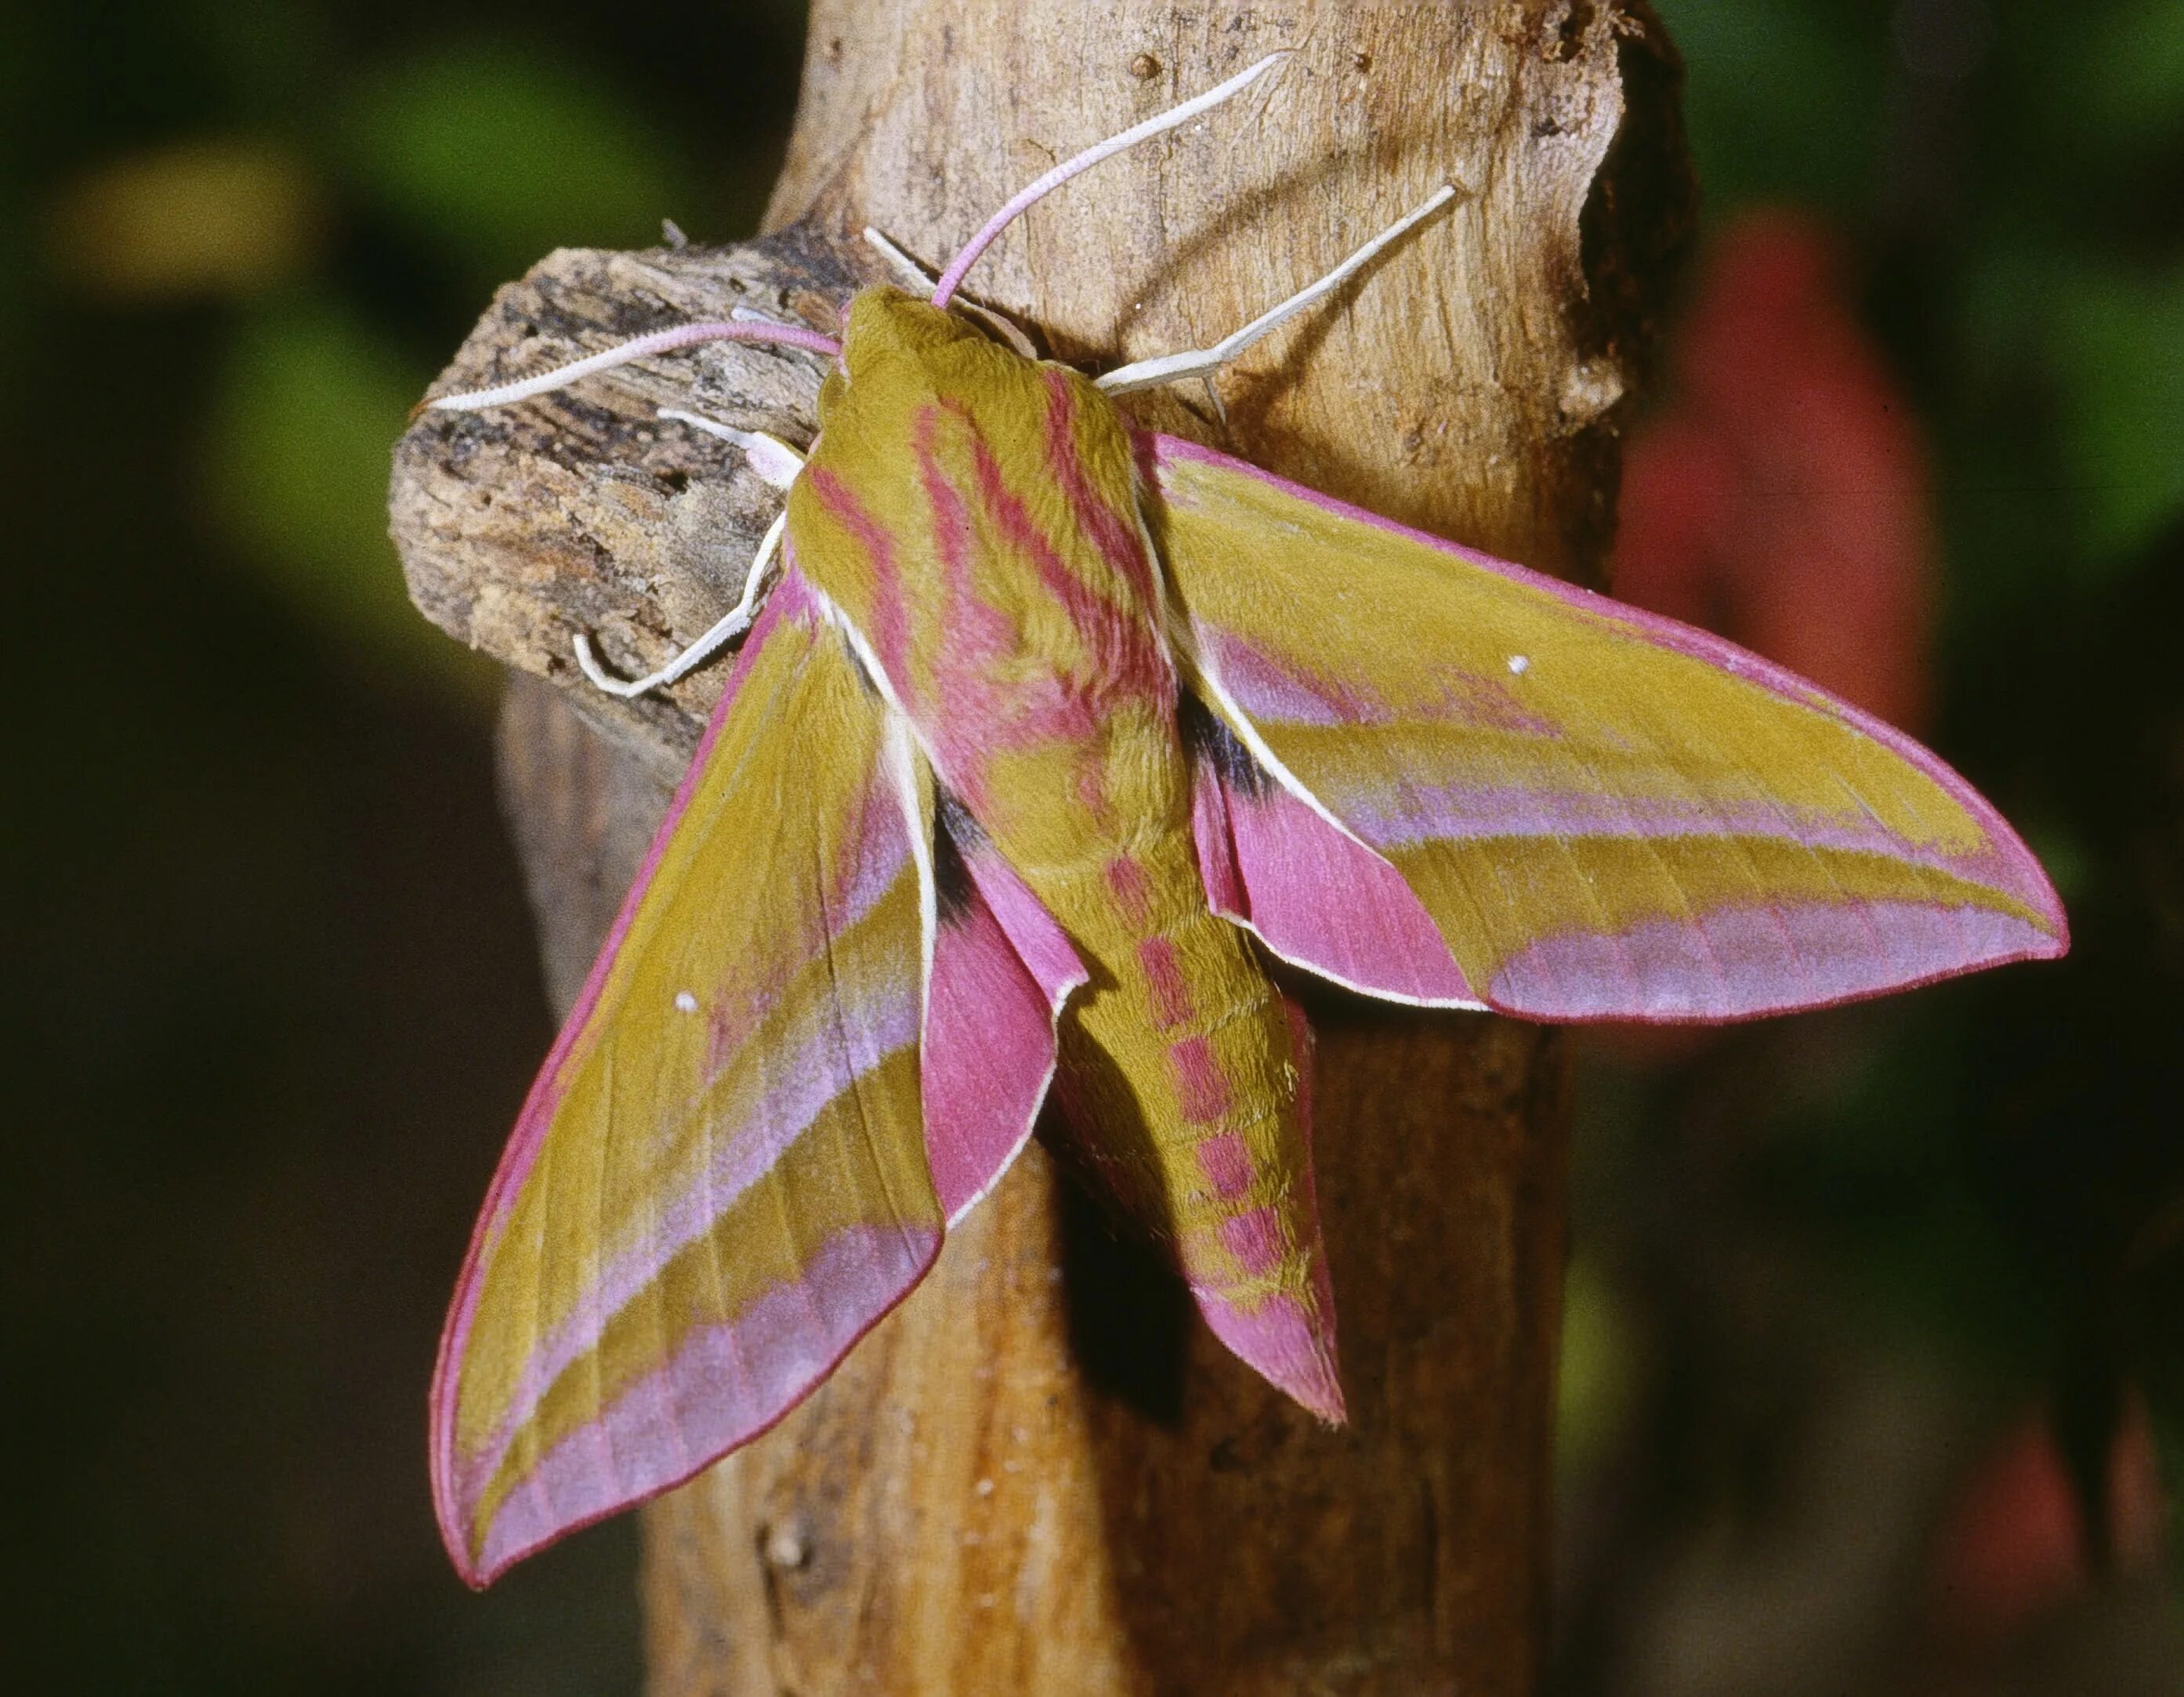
{"x": 1049, "y": 731}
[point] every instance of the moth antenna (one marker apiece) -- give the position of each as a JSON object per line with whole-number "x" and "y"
{"x": 922, "y": 275}
{"x": 1203, "y": 362}
{"x": 732, "y": 625}
{"x": 1037, "y": 190}
{"x": 639, "y": 347}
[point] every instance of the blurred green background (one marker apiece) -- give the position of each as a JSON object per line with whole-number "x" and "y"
{"x": 1872, "y": 1364}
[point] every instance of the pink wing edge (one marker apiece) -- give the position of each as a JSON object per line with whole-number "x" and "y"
{"x": 791, "y": 597}
{"x": 1002, "y": 969}
{"x": 1268, "y": 859}
{"x": 2026, "y": 879}
{"x": 1009, "y": 942}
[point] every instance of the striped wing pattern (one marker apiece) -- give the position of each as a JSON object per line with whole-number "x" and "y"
{"x": 1607, "y": 815}
{"x": 825, "y": 1018}
{"x": 720, "y": 1180}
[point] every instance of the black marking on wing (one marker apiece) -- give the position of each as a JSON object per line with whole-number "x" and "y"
{"x": 954, "y": 831}
{"x": 1208, "y": 739}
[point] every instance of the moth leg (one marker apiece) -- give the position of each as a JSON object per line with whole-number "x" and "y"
{"x": 769, "y": 456}
{"x": 1169, "y": 368}
{"x": 731, "y": 626}
{"x": 916, "y": 273}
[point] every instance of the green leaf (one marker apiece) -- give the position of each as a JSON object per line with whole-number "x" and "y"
{"x": 1783, "y": 97}
{"x": 2130, "y": 89}
{"x": 498, "y": 155}
{"x": 1599, "y": 1367}
{"x": 304, "y": 413}
{"x": 2120, "y": 342}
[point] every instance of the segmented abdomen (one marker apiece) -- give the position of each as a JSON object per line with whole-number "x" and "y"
{"x": 1180, "y": 1062}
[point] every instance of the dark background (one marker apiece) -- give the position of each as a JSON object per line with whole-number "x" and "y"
{"x": 1872, "y": 1367}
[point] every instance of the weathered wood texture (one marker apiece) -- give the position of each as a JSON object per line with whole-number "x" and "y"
{"x": 1042, "y": 1475}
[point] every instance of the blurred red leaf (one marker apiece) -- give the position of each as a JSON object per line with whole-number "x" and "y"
{"x": 1782, "y": 498}
{"x": 2013, "y": 1543}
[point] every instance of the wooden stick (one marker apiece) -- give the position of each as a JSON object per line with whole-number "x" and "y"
{"x": 1042, "y": 1475}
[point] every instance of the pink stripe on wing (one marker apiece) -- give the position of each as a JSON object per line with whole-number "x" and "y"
{"x": 820, "y": 1068}
{"x": 792, "y": 600}
{"x": 706, "y": 1400}
{"x": 1275, "y": 691}
{"x": 2022, "y": 875}
{"x": 875, "y": 857}
{"x": 1732, "y": 963}
{"x": 1401, "y": 817}
{"x": 1278, "y": 689}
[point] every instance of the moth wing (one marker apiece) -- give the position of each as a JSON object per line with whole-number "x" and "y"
{"x": 1002, "y": 970}
{"x": 1311, "y": 893}
{"x": 1605, "y": 815}
{"x": 719, "y": 1181}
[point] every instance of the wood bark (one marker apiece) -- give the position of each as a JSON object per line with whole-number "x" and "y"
{"x": 1041, "y": 1475}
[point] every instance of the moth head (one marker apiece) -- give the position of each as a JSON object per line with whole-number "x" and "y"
{"x": 884, "y": 323}
{"x": 892, "y": 340}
